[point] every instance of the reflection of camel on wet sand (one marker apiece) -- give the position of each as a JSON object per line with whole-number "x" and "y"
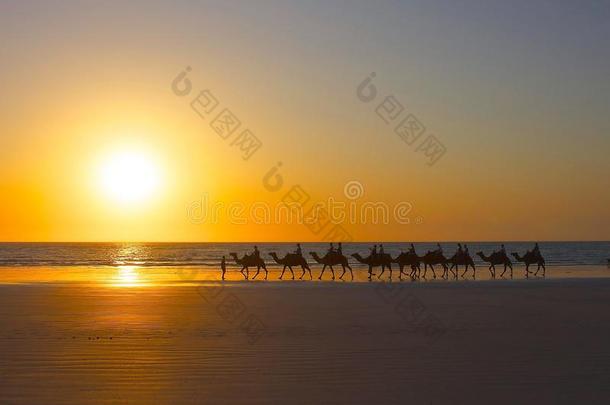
{"x": 531, "y": 258}
{"x": 292, "y": 259}
{"x": 250, "y": 261}
{"x": 380, "y": 259}
{"x": 332, "y": 259}
{"x": 407, "y": 259}
{"x": 497, "y": 258}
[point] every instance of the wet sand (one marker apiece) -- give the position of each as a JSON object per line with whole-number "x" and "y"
{"x": 521, "y": 341}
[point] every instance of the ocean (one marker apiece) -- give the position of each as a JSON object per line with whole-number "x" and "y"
{"x": 209, "y": 254}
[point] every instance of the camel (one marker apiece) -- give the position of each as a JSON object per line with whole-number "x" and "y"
{"x": 407, "y": 259}
{"x": 531, "y": 258}
{"x": 250, "y": 261}
{"x": 462, "y": 259}
{"x": 292, "y": 259}
{"x": 330, "y": 260}
{"x": 497, "y": 258}
{"x": 380, "y": 259}
{"x": 432, "y": 258}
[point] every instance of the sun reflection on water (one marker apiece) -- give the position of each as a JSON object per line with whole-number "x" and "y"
{"x": 127, "y": 276}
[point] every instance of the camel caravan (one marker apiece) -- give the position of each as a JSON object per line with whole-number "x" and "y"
{"x": 378, "y": 258}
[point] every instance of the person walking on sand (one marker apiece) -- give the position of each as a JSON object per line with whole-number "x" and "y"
{"x": 223, "y": 267}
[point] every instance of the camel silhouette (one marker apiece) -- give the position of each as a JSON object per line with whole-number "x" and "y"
{"x": 330, "y": 260}
{"x": 462, "y": 259}
{"x": 433, "y": 258}
{"x": 497, "y": 258}
{"x": 407, "y": 259}
{"x": 250, "y": 261}
{"x": 380, "y": 259}
{"x": 531, "y": 258}
{"x": 292, "y": 259}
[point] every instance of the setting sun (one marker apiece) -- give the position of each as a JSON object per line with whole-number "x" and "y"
{"x": 129, "y": 176}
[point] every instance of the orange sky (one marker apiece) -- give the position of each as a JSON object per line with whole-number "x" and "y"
{"x": 526, "y": 143}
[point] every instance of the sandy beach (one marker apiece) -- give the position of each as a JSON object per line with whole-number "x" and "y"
{"x": 536, "y": 341}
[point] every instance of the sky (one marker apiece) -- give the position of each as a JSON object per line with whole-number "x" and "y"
{"x": 517, "y": 93}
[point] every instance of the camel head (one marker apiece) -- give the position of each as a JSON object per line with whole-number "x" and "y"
{"x": 516, "y": 255}
{"x": 481, "y": 255}
{"x": 315, "y": 256}
{"x": 358, "y": 257}
{"x": 234, "y": 255}
{"x": 274, "y": 256}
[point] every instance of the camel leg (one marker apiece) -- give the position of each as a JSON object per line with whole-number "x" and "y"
{"x": 502, "y": 275}
{"x": 382, "y": 271}
{"x": 321, "y": 274}
{"x": 258, "y": 269}
{"x": 342, "y": 274}
{"x": 332, "y": 271}
{"x": 302, "y": 275}
{"x": 370, "y": 272}
{"x": 291, "y": 271}
{"x": 350, "y": 271}
{"x": 511, "y": 271}
{"x": 309, "y": 270}
{"x": 283, "y": 270}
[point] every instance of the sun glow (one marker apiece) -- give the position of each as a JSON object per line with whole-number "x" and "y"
{"x": 127, "y": 276}
{"x": 129, "y": 176}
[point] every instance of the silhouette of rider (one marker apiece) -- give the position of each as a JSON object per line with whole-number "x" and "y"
{"x": 340, "y": 249}
{"x": 374, "y": 251}
{"x": 439, "y": 249}
{"x": 381, "y": 249}
{"x": 256, "y": 253}
{"x": 412, "y": 249}
{"x": 536, "y": 249}
{"x": 466, "y": 253}
{"x": 503, "y": 250}
{"x": 298, "y": 251}
{"x": 460, "y": 251}
{"x": 331, "y": 249}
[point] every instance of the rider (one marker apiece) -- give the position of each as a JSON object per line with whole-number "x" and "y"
{"x": 331, "y": 249}
{"x": 466, "y": 253}
{"x": 460, "y": 251}
{"x": 503, "y": 250}
{"x": 298, "y": 251}
{"x": 256, "y": 253}
{"x": 381, "y": 249}
{"x": 340, "y": 249}
{"x": 439, "y": 249}
{"x": 536, "y": 249}
{"x": 374, "y": 251}
{"x": 412, "y": 249}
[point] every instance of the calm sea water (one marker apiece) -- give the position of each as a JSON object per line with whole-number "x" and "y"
{"x": 209, "y": 254}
